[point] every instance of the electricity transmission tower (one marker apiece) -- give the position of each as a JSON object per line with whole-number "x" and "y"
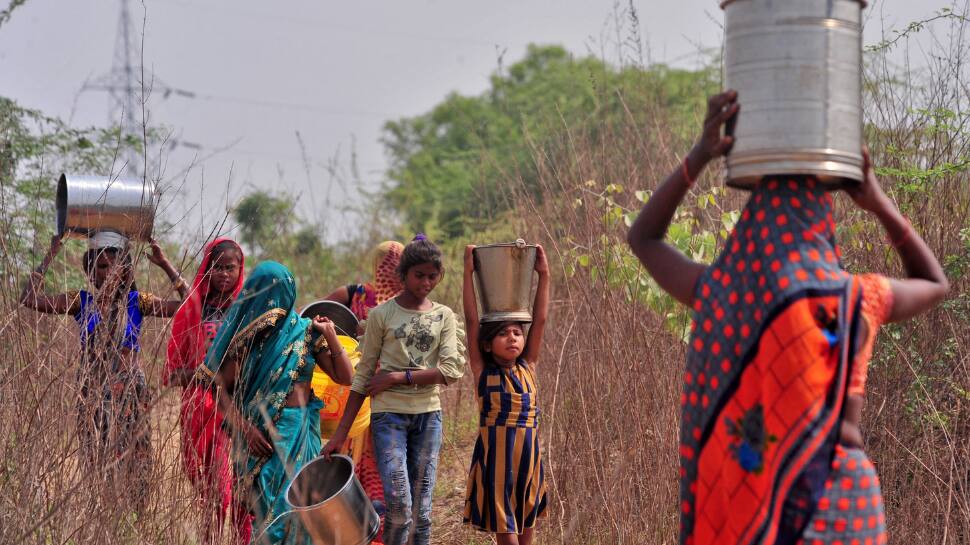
{"x": 127, "y": 92}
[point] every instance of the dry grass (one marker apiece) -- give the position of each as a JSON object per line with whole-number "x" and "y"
{"x": 610, "y": 374}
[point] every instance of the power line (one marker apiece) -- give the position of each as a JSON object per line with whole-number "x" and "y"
{"x": 319, "y": 23}
{"x": 287, "y": 105}
{"x": 173, "y": 143}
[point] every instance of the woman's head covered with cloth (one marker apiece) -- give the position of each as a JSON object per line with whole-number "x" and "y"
{"x": 264, "y": 329}
{"x": 386, "y": 283}
{"x": 187, "y": 346}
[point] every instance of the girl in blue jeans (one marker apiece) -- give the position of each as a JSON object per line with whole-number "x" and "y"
{"x": 417, "y": 344}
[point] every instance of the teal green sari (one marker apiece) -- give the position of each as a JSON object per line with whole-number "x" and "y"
{"x": 263, "y": 327}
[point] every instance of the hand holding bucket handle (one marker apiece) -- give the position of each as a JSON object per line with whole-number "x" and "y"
{"x": 542, "y": 263}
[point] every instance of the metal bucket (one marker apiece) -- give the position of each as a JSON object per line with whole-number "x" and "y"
{"x": 87, "y": 204}
{"x": 332, "y": 504}
{"x": 797, "y": 68}
{"x": 503, "y": 273}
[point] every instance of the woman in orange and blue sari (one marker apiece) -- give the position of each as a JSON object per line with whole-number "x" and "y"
{"x": 770, "y": 442}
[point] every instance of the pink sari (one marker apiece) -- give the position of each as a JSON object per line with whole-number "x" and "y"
{"x": 204, "y": 445}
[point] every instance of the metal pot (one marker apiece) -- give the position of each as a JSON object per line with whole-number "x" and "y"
{"x": 332, "y": 504}
{"x": 503, "y": 273}
{"x": 797, "y": 68}
{"x": 87, "y": 204}
{"x": 344, "y": 320}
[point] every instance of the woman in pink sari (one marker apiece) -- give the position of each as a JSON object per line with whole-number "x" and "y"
{"x": 204, "y": 444}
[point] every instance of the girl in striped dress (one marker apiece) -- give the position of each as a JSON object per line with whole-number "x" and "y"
{"x": 506, "y": 491}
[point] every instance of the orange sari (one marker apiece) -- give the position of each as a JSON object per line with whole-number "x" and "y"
{"x": 767, "y": 372}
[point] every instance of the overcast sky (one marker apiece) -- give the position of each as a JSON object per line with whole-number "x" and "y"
{"x": 332, "y": 71}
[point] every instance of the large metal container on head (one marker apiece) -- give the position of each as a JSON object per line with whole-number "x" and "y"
{"x": 797, "y": 68}
{"x": 503, "y": 273}
{"x": 87, "y": 204}
{"x": 332, "y": 504}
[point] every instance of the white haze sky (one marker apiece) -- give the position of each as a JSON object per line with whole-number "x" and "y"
{"x": 332, "y": 71}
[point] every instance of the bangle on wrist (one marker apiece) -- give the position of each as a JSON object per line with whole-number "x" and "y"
{"x": 408, "y": 377}
{"x": 686, "y": 173}
{"x": 178, "y": 282}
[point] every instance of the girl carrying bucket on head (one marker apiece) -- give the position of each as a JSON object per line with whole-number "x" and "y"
{"x": 113, "y": 431}
{"x": 417, "y": 343}
{"x": 506, "y": 490}
{"x": 204, "y": 442}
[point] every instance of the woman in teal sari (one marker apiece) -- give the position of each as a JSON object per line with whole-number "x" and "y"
{"x": 261, "y": 363}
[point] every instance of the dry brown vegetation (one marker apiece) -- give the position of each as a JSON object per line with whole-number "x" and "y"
{"x": 610, "y": 375}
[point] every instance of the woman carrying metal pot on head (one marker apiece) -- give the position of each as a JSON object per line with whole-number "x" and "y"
{"x": 770, "y": 443}
{"x": 361, "y": 298}
{"x": 113, "y": 430}
{"x": 261, "y": 363}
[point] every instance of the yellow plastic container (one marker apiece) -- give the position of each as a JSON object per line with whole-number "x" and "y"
{"x": 334, "y": 397}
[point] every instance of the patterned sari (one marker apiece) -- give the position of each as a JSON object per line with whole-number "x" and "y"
{"x": 767, "y": 371}
{"x": 263, "y": 328}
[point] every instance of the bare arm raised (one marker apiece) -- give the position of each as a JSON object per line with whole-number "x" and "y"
{"x": 334, "y": 361}
{"x": 927, "y": 284}
{"x": 33, "y": 295}
{"x": 163, "y": 308}
{"x": 675, "y": 272}
{"x": 469, "y": 304}
{"x": 540, "y": 309}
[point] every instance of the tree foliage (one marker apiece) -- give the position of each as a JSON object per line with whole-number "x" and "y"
{"x": 450, "y": 166}
{"x": 263, "y": 219}
{"x": 34, "y": 150}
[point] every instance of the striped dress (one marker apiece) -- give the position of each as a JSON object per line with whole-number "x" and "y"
{"x": 506, "y": 489}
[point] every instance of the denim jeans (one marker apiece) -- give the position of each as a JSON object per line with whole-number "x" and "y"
{"x": 406, "y": 450}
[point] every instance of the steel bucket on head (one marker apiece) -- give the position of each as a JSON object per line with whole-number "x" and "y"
{"x": 332, "y": 504}
{"x": 797, "y": 68}
{"x": 503, "y": 273}
{"x": 88, "y": 204}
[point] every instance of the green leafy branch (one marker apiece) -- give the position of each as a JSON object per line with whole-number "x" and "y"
{"x": 915, "y": 27}
{"x": 612, "y": 262}
{"x": 917, "y": 179}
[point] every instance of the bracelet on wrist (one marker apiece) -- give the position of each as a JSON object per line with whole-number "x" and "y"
{"x": 408, "y": 377}
{"x": 178, "y": 282}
